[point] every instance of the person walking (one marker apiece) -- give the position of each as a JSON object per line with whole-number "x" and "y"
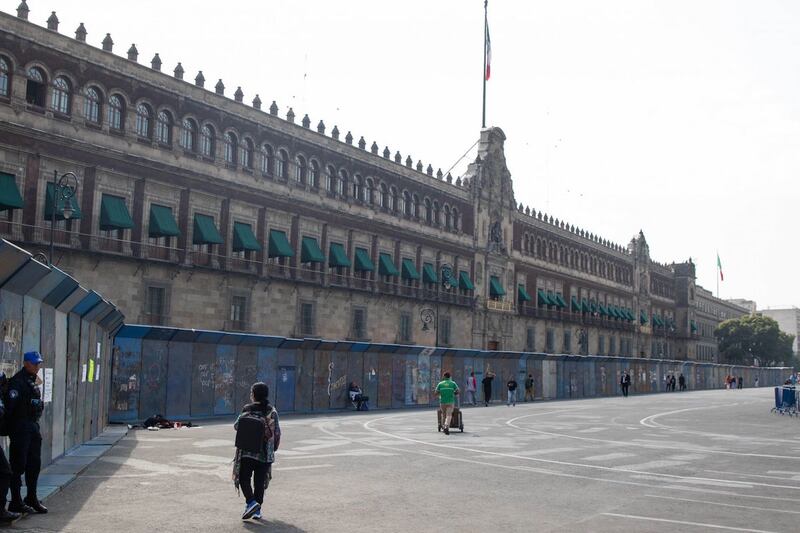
{"x": 472, "y": 388}
{"x": 446, "y": 390}
{"x": 682, "y": 383}
{"x": 512, "y": 392}
{"x": 625, "y": 383}
{"x": 6, "y": 517}
{"x": 529, "y": 387}
{"x": 741, "y": 382}
{"x": 24, "y": 409}
{"x": 487, "y": 387}
{"x": 755, "y": 383}
{"x": 733, "y": 382}
{"x": 256, "y": 462}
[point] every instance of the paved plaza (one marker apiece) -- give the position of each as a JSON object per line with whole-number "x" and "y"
{"x": 696, "y": 461}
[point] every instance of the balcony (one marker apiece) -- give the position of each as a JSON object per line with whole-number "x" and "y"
{"x": 500, "y": 305}
{"x": 235, "y": 325}
{"x": 562, "y": 315}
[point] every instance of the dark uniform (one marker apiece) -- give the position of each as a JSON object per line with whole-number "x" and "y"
{"x": 5, "y": 468}
{"x": 24, "y": 407}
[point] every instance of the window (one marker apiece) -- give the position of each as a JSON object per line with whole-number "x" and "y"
{"x": 382, "y": 195}
{"x": 456, "y": 222}
{"x": 61, "y": 95}
{"x": 330, "y": 179}
{"x": 238, "y": 316}
{"x": 612, "y": 346}
{"x": 530, "y": 339}
{"x": 401, "y": 201}
{"x": 601, "y": 345}
{"x": 5, "y": 76}
{"x": 282, "y": 164}
{"x": 306, "y": 319}
{"x": 207, "y": 142}
{"x": 415, "y": 206}
{"x": 92, "y": 105}
{"x": 392, "y": 199}
{"x": 444, "y": 331}
{"x": 428, "y": 211}
{"x": 447, "y": 219}
{"x": 36, "y": 89}
{"x": 231, "y": 145}
{"x": 300, "y": 169}
{"x": 550, "y": 341}
{"x": 246, "y": 154}
{"x": 189, "y": 135}
{"x": 567, "y": 342}
{"x": 359, "y": 323}
{"x": 341, "y": 183}
{"x": 156, "y": 306}
{"x": 436, "y": 214}
{"x": 368, "y": 191}
{"x": 267, "y": 159}
{"x": 357, "y": 188}
{"x": 314, "y": 174}
{"x": 407, "y": 203}
{"x": 143, "y": 115}
{"x": 116, "y": 112}
{"x": 405, "y": 327}
{"x": 164, "y": 128}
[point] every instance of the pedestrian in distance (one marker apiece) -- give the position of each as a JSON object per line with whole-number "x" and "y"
{"x": 625, "y": 383}
{"x": 682, "y": 382}
{"x": 24, "y": 408}
{"x": 487, "y": 387}
{"x": 512, "y": 392}
{"x": 6, "y": 517}
{"x": 741, "y": 382}
{"x": 472, "y": 389}
{"x": 733, "y": 382}
{"x": 446, "y": 391}
{"x": 673, "y": 382}
{"x": 529, "y": 387}
{"x": 258, "y": 436}
{"x": 755, "y": 383}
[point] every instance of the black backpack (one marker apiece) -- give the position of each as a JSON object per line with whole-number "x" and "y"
{"x": 252, "y": 431}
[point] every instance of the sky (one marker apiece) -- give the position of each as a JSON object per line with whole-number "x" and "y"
{"x": 679, "y": 118}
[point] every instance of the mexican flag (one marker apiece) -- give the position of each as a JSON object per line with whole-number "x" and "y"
{"x": 488, "y": 53}
{"x": 719, "y": 267}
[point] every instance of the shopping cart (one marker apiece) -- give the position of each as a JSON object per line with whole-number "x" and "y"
{"x": 786, "y": 401}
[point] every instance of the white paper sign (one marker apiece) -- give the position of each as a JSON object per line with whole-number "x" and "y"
{"x": 98, "y": 350}
{"x": 48, "y": 385}
{"x": 84, "y": 374}
{"x": 97, "y": 372}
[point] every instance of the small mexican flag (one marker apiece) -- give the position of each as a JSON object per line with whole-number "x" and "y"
{"x": 719, "y": 267}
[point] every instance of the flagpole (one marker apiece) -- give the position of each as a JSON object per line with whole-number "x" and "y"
{"x": 718, "y": 269}
{"x": 483, "y": 74}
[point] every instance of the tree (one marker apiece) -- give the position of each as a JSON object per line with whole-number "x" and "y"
{"x": 743, "y": 339}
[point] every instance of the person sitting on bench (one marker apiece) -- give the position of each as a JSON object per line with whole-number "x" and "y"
{"x": 357, "y": 398}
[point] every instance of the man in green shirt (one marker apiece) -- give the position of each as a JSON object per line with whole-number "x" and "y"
{"x": 446, "y": 390}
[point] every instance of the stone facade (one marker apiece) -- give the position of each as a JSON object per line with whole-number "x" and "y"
{"x": 141, "y": 138}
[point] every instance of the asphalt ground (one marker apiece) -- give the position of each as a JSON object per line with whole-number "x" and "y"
{"x": 694, "y": 461}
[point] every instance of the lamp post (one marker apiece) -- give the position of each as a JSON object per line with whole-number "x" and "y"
{"x": 64, "y": 189}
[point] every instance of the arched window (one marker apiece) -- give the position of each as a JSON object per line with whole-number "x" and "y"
{"x": 314, "y": 174}
{"x": 330, "y": 179}
{"x": 164, "y": 128}
{"x": 143, "y": 115}
{"x": 116, "y": 112}
{"x": 428, "y": 211}
{"x": 36, "y": 88}
{"x": 246, "y": 153}
{"x": 447, "y": 220}
{"x": 92, "y": 105}
{"x": 231, "y": 145}
{"x": 358, "y": 189}
{"x": 415, "y": 206}
{"x": 267, "y": 159}
{"x": 189, "y": 135}
{"x": 368, "y": 191}
{"x": 341, "y": 183}
{"x": 5, "y": 76}
{"x": 62, "y": 92}
{"x": 382, "y": 195}
{"x": 300, "y": 169}
{"x": 207, "y": 141}
{"x": 407, "y": 204}
{"x": 282, "y": 164}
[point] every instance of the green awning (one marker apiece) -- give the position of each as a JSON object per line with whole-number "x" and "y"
{"x": 612, "y": 311}
{"x": 10, "y": 198}
{"x": 114, "y": 213}
{"x": 429, "y": 274}
{"x": 496, "y": 289}
{"x": 542, "y": 298}
{"x": 205, "y": 232}
{"x": 693, "y": 325}
{"x": 310, "y": 252}
{"x": 602, "y": 310}
{"x": 386, "y": 266}
{"x": 593, "y": 307}
{"x": 522, "y": 294}
{"x": 464, "y": 282}
{"x": 642, "y": 317}
{"x": 656, "y": 320}
{"x": 243, "y": 238}
{"x": 631, "y": 318}
{"x": 408, "y": 269}
{"x": 279, "y": 245}
{"x": 574, "y": 305}
{"x": 162, "y": 223}
{"x": 337, "y": 257}
{"x": 363, "y": 261}
{"x": 585, "y": 306}
{"x": 48, "y": 205}
{"x": 559, "y": 301}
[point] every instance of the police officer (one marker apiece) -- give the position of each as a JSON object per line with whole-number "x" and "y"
{"x": 24, "y": 408}
{"x": 5, "y": 468}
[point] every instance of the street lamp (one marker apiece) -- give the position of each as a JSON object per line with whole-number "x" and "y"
{"x": 64, "y": 189}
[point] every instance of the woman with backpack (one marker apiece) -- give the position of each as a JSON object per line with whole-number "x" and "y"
{"x": 258, "y": 435}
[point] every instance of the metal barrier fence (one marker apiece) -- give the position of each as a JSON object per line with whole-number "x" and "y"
{"x": 186, "y": 374}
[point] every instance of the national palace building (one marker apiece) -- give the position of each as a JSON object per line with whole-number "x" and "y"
{"x": 197, "y": 210}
